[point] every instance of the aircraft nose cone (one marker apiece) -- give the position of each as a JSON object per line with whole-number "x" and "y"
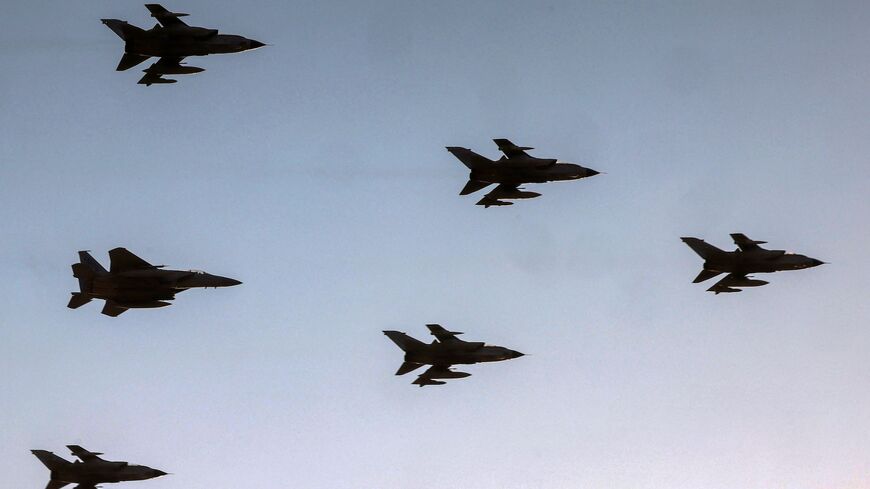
{"x": 229, "y": 282}
{"x": 816, "y": 263}
{"x": 516, "y": 354}
{"x": 159, "y": 473}
{"x": 255, "y": 44}
{"x": 591, "y": 173}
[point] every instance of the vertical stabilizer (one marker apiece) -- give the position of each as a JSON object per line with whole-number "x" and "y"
{"x": 403, "y": 341}
{"x": 702, "y": 248}
{"x": 50, "y": 460}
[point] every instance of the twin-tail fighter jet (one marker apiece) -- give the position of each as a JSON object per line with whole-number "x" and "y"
{"x": 748, "y": 258}
{"x": 172, "y": 40}
{"x": 132, "y": 282}
{"x": 90, "y": 469}
{"x": 515, "y": 168}
{"x": 446, "y": 350}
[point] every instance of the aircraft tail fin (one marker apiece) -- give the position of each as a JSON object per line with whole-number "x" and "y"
{"x": 50, "y": 460}
{"x": 702, "y": 248}
{"x": 705, "y": 275}
{"x": 130, "y": 60}
{"x": 124, "y": 30}
{"x": 85, "y": 271}
{"x": 408, "y": 367}
{"x": 470, "y": 159}
{"x": 403, "y": 341}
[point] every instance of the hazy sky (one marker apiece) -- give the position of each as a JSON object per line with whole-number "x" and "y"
{"x": 314, "y": 171}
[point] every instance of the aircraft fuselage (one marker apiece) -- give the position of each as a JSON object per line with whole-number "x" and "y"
{"x": 758, "y": 261}
{"x": 460, "y": 354}
{"x": 162, "y": 42}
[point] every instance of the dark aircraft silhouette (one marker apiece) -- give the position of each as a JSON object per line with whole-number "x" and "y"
{"x": 512, "y": 170}
{"x": 131, "y": 282}
{"x": 444, "y": 351}
{"x": 91, "y": 470}
{"x": 748, "y": 258}
{"x": 171, "y": 40}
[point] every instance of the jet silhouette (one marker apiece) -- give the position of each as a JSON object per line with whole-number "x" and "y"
{"x": 131, "y": 282}
{"x": 748, "y": 258}
{"x": 515, "y": 168}
{"x": 171, "y": 40}
{"x": 90, "y": 470}
{"x": 444, "y": 351}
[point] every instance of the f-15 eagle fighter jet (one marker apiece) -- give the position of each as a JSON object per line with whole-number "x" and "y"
{"x": 446, "y": 350}
{"x": 131, "y": 282}
{"x": 171, "y": 40}
{"x": 513, "y": 169}
{"x": 90, "y": 469}
{"x": 748, "y": 258}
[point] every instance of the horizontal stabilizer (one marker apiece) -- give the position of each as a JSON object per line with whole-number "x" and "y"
{"x": 112, "y": 309}
{"x": 130, "y": 60}
{"x": 473, "y": 186}
{"x": 408, "y": 367}
{"x": 78, "y": 300}
{"x": 705, "y": 275}
{"x": 56, "y": 484}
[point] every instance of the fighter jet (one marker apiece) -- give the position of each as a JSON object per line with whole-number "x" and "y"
{"x": 132, "y": 282}
{"x": 444, "y": 351}
{"x": 515, "y": 168}
{"x": 748, "y": 258}
{"x": 90, "y": 469}
{"x": 171, "y": 40}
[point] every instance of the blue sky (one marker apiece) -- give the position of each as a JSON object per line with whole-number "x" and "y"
{"x": 314, "y": 171}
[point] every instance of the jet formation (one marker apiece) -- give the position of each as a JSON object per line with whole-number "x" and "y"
{"x": 90, "y": 469}
{"x": 171, "y": 40}
{"x": 748, "y": 258}
{"x": 132, "y": 282}
{"x": 513, "y": 169}
{"x": 445, "y": 351}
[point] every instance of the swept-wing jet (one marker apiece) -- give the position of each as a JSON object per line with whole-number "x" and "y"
{"x": 171, "y": 40}
{"x": 748, "y": 258}
{"x": 513, "y": 169}
{"x": 444, "y": 351}
{"x": 131, "y": 282}
{"x": 90, "y": 469}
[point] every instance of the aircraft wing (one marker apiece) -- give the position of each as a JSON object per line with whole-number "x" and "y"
{"x": 56, "y": 484}
{"x": 121, "y": 260}
{"x": 744, "y": 243}
{"x": 442, "y": 334}
{"x": 165, "y": 17}
{"x": 510, "y": 149}
{"x": 85, "y": 486}
{"x": 83, "y": 454}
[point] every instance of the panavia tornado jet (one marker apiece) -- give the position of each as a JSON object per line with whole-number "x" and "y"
{"x": 132, "y": 282}
{"x": 171, "y": 40}
{"x": 748, "y": 258}
{"x": 446, "y": 350}
{"x": 513, "y": 169}
{"x": 90, "y": 469}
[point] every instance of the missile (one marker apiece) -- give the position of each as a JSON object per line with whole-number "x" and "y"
{"x": 449, "y": 374}
{"x": 156, "y": 69}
